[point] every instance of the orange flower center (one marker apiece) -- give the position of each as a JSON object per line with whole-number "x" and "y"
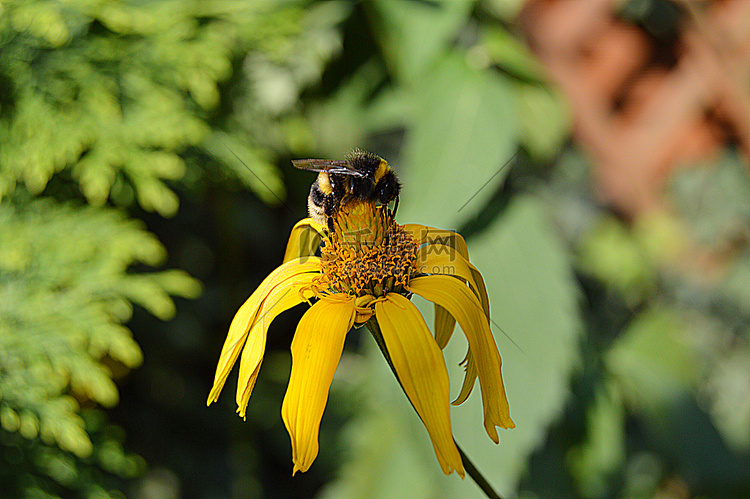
{"x": 368, "y": 253}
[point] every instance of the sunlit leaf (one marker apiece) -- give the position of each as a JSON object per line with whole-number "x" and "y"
{"x": 536, "y": 323}
{"x": 461, "y": 144}
{"x": 612, "y": 254}
{"x": 415, "y": 33}
{"x": 653, "y": 362}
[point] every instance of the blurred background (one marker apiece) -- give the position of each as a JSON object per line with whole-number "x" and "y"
{"x": 594, "y": 153}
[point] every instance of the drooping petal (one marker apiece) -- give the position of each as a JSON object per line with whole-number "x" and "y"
{"x": 420, "y": 367}
{"x": 285, "y": 275}
{"x": 445, "y": 324}
{"x": 484, "y": 299}
{"x": 441, "y": 259}
{"x": 316, "y": 351}
{"x": 280, "y": 299}
{"x": 458, "y": 299}
{"x": 303, "y": 240}
{"x": 470, "y": 376}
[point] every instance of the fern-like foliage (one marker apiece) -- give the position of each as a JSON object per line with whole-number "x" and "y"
{"x": 88, "y": 99}
{"x": 64, "y": 294}
{"x": 33, "y": 469}
{"x": 121, "y": 102}
{"x": 115, "y": 92}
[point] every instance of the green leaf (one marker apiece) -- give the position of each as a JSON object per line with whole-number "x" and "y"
{"x": 730, "y": 392}
{"x": 652, "y": 361}
{"x": 387, "y": 439}
{"x": 544, "y": 120}
{"x": 249, "y": 164}
{"x": 510, "y": 53}
{"x": 357, "y": 110}
{"x": 415, "y": 33}
{"x": 603, "y": 452}
{"x": 505, "y": 9}
{"x": 537, "y": 328}
{"x": 612, "y": 254}
{"x": 457, "y": 151}
{"x": 714, "y": 199}
{"x": 122, "y": 107}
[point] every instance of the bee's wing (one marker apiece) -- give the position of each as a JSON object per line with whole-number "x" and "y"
{"x": 327, "y": 165}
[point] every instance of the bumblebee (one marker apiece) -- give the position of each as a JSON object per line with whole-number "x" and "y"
{"x": 362, "y": 176}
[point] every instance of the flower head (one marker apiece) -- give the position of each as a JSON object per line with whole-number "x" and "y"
{"x": 368, "y": 268}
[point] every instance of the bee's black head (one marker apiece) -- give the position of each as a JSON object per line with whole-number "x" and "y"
{"x": 379, "y": 183}
{"x": 387, "y": 188}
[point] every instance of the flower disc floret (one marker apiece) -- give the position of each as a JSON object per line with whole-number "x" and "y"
{"x": 368, "y": 253}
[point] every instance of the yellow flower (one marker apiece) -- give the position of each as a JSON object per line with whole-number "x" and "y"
{"x": 367, "y": 269}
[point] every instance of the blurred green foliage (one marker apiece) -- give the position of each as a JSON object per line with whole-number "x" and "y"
{"x": 140, "y": 133}
{"x": 111, "y": 93}
{"x": 118, "y": 103}
{"x": 64, "y": 297}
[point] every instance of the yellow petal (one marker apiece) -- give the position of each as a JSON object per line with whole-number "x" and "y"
{"x": 303, "y": 240}
{"x": 285, "y": 275}
{"x": 431, "y": 235}
{"x": 281, "y": 298}
{"x": 445, "y": 323}
{"x": 458, "y": 299}
{"x": 484, "y": 299}
{"x": 440, "y": 259}
{"x": 470, "y": 377}
{"x": 316, "y": 351}
{"x": 421, "y": 369}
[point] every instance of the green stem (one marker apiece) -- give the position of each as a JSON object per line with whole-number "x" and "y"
{"x": 474, "y": 473}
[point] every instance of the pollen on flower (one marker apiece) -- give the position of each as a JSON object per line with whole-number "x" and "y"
{"x": 368, "y": 253}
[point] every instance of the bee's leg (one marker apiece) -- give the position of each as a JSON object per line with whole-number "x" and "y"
{"x": 329, "y": 208}
{"x": 395, "y": 207}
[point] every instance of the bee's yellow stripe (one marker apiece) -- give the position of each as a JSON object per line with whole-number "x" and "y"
{"x": 324, "y": 183}
{"x": 381, "y": 171}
